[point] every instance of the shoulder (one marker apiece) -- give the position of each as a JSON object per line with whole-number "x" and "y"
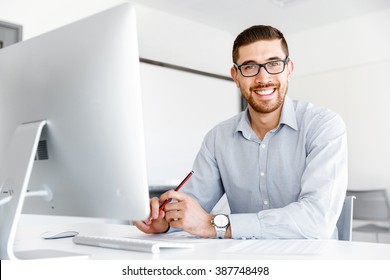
{"x": 315, "y": 120}
{"x": 224, "y": 133}
{"x": 308, "y": 113}
{"x": 229, "y": 126}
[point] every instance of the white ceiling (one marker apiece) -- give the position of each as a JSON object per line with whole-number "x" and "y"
{"x": 234, "y": 16}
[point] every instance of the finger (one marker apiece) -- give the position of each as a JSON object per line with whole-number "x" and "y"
{"x": 171, "y": 194}
{"x": 142, "y": 226}
{"x": 177, "y": 206}
{"x": 162, "y": 214}
{"x": 157, "y": 226}
{"x": 172, "y": 216}
{"x": 154, "y": 208}
{"x": 177, "y": 223}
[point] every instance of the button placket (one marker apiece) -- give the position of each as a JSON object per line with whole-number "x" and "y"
{"x": 263, "y": 155}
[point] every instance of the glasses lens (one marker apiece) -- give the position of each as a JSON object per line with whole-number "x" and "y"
{"x": 248, "y": 70}
{"x": 275, "y": 67}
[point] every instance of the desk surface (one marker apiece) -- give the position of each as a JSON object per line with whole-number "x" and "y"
{"x": 29, "y": 238}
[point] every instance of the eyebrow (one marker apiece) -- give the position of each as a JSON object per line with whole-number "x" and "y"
{"x": 268, "y": 60}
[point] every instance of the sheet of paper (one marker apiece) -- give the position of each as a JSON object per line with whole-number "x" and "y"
{"x": 176, "y": 236}
{"x": 276, "y": 247}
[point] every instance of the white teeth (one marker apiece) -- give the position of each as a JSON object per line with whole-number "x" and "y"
{"x": 264, "y": 92}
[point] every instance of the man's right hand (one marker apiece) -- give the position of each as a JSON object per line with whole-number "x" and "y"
{"x": 156, "y": 223}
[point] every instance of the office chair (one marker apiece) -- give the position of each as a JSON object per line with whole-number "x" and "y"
{"x": 371, "y": 206}
{"x": 344, "y": 223}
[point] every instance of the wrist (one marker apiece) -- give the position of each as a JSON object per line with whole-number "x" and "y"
{"x": 208, "y": 230}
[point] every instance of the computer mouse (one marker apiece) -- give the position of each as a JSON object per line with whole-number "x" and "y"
{"x": 59, "y": 234}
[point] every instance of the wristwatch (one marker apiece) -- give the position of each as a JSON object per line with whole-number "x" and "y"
{"x": 220, "y": 223}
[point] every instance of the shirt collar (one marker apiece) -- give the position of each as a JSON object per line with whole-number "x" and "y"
{"x": 288, "y": 117}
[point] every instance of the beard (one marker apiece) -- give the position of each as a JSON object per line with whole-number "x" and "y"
{"x": 267, "y": 106}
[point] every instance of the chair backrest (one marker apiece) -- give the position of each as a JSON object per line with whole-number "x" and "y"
{"x": 344, "y": 223}
{"x": 371, "y": 205}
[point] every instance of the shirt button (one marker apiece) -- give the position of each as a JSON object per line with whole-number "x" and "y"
{"x": 263, "y": 146}
{"x": 265, "y": 202}
{"x": 262, "y": 174}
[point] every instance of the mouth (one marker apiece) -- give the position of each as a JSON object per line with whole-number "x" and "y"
{"x": 265, "y": 92}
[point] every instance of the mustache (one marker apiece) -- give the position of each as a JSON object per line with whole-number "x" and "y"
{"x": 261, "y": 86}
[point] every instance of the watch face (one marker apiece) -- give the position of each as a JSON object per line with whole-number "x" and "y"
{"x": 221, "y": 220}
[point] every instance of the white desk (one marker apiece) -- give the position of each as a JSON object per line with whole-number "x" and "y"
{"x": 28, "y": 238}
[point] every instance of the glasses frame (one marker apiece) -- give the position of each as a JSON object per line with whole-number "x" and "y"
{"x": 285, "y": 61}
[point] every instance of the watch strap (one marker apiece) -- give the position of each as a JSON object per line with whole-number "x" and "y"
{"x": 220, "y": 232}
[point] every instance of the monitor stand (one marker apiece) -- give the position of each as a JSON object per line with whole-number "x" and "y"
{"x": 15, "y": 175}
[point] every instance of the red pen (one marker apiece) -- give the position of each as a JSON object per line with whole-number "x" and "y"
{"x": 162, "y": 206}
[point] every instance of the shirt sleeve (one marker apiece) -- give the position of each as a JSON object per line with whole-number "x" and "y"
{"x": 323, "y": 188}
{"x": 205, "y": 184}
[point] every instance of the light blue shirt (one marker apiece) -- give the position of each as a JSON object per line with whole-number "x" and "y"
{"x": 291, "y": 184}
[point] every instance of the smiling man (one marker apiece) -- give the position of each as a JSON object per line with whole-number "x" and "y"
{"x": 282, "y": 163}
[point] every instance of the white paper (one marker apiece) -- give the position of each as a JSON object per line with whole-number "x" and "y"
{"x": 276, "y": 247}
{"x": 176, "y": 236}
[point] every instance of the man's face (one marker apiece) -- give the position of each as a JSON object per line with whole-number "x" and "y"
{"x": 264, "y": 92}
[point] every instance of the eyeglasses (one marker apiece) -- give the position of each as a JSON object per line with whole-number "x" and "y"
{"x": 273, "y": 67}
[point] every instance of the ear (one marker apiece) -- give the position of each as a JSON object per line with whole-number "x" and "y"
{"x": 290, "y": 68}
{"x": 233, "y": 73}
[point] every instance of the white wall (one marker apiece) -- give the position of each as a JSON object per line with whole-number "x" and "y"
{"x": 346, "y": 67}
{"x": 40, "y": 16}
{"x": 162, "y": 36}
{"x": 168, "y": 38}
{"x": 347, "y": 43}
{"x": 178, "y": 114}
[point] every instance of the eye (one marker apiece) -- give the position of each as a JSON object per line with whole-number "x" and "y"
{"x": 249, "y": 67}
{"x": 275, "y": 63}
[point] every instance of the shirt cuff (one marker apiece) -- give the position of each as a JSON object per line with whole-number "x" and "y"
{"x": 244, "y": 226}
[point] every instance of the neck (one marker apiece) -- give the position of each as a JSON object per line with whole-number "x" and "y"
{"x": 262, "y": 123}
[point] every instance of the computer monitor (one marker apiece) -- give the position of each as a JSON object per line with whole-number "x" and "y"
{"x": 83, "y": 80}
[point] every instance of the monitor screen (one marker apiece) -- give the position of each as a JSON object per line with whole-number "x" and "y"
{"x": 84, "y": 80}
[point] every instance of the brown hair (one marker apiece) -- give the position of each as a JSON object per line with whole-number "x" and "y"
{"x": 257, "y": 33}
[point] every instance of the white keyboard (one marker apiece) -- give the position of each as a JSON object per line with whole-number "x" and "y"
{"x": 132, "y": 244}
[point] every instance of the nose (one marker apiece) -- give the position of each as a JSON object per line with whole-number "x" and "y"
{"x": 263, "y": 76}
